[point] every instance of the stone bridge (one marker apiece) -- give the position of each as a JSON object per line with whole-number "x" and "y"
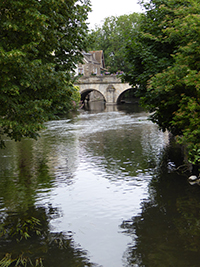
{"x": 110, "y": 87}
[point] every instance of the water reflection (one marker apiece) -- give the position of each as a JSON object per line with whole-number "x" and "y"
{"x": 23, "y": 172}
{"x": 27, "y": 241}
{"x": 95, "y": 182}
{"x": 28, "y": 173}
{"x": 95, "y": 105}
{"x": 167, "y": 231}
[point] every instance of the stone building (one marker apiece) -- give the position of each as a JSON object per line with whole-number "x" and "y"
{"x": 93, "y": 64}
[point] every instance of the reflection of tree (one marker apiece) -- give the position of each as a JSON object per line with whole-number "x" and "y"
{"x": 188, "y": 224}
{"x": 52, "y": 249}
{"x": 25, "y": 232}
{"x": 129, "y": 109}
{"x": 25, "y": 169}
{"x": 167, "y": 232}
{"x": 19, "y": 183}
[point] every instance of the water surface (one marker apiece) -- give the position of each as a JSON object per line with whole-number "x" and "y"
{"x": 103, "y": 186}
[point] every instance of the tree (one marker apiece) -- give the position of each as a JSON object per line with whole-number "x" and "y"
{"x": 146, "y": 53}
{"x": 111, "y": 38}
{"x": 166, "y": 66}
{"x": 40, "y": 43}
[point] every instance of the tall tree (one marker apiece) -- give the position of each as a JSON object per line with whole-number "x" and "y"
{"x": 166, "y": 66}
{"x": 40, "y": 43}
{"x": 146, "y": 53}
{"x": 111, "y": 37}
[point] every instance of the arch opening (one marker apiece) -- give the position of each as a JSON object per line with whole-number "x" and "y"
{"x": 128, "y": 97}
{"x": 93, "y": 100}
{"x": 92, "y": 95}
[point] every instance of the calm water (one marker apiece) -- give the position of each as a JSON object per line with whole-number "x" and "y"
{"x": 102, "y": 185}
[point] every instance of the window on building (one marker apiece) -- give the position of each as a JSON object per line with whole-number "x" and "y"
{"x": 80, "y": 70}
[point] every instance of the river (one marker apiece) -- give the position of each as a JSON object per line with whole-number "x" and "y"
{"x": 98, "y": 188}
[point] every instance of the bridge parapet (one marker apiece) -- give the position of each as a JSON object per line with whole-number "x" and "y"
{"x": 98, "y": 79}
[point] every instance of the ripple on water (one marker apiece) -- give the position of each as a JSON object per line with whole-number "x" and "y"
{"x": 97, "y": 170}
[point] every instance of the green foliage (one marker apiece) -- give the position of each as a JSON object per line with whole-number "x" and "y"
{"x": 187, "y": 118}
{"x": 76, "y": 97}
{"x": 147, "y": 50}
{"x": 22, "y": 228}
{"x": 41, "y": 247}
{"x": 20, "y": 261}
{"x": 166, "y": 66}
{"x": 111, "y": 37}
{"x": 40, "y": 43}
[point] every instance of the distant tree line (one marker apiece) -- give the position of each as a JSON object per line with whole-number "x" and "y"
{"x": 112, "y": 38}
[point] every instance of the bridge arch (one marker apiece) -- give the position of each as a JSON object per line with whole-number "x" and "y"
{"x": 110, "y": 87}
{"x": 85, "y": 94}
{"x": 127, "y": 95}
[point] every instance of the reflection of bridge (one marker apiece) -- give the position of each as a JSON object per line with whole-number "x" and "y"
{"x": 110, "y": 87}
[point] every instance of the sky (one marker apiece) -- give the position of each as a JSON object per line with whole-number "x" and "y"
{"x": 105, "y": 8}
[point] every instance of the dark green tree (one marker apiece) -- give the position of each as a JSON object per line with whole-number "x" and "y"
{"x": 40, "y": 43}
{"x": 111, "y": 37}
{"x": 147, "y": 50}
{"x": 165, "y": 60}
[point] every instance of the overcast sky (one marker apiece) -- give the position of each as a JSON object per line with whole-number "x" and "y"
{"x": 106, "y": 8}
